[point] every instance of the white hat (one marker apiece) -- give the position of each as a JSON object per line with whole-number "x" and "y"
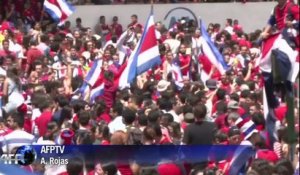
{"x": 162, "y": 85}
{"x": 97, "y": 37}
{"x": 69, "y": 35}
{"x": 244, "y": 87}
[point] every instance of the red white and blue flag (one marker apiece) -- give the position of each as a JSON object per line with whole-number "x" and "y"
{"x": 176, "y": 75}
{"x": 211, "y": 56}
{"x": 59, "y": 10}
{"x": 93, "y": 81}
{"x": 144, "y": 57}
{"x": 276, "y": 42}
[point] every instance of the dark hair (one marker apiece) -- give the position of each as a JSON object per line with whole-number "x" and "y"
{"x": 262, "y": 166}
{"x": 134, "y": 15}
{"x": 149, "y": 133}
{"x": 75, "y": 166}
{"x": 284, "y": 167}
{"x": 245, "y": 94}
{"x": 153, "y": 116}
{"x": 100, "y": 107}
{"x": 13, "y": 74}
{"x": 128, "y": 116}
{"x": 66, "y": 113}
{"x": 109, "y": 168}
{"x": 61, "y": 100}
{"x": 85, "y": 138}
{"x": 235, "y": 97}
{"x": 84, "y": 118}
{"x": 18, "y": 118}
{"x": 142, "y": 120}
{"x": 103, "y": 128}
{"x": 118, "y": 108}
{"x": 221, "y": 94}
{"x": 221, "y": 107}
{"x": 164, "y": 104}
{"x": 169, "y": 117}
{"x": 78, "y": 105}
{"x": 200, "y": 111}
{"x": 229, "y": 20}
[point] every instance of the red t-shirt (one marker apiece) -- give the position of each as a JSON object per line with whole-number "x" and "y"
{"x": 42, "y": 122}
{"x": 280, "y": 112}
{"x": 281, "y": 14}
{"x": 33, "y": 54}
{"x": 185, "y": 60}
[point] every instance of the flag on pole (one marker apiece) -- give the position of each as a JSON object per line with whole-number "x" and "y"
{"x": 176, "y": 75}
{"x": 211, "y": 56}
{"x": 144, "y": 57}
{"x": 59, "y": 10}
{"x": 93, "y": 80}
{"x": 279, "y": 65}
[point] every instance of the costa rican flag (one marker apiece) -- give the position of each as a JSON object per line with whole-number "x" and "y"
{"x": 176, "y": 75}
{"x": 276, "y": 42}
{"x": 211, "y": 56}
{"x": 93, "y": 80}
{"x": 144, "y": 57}
{"x": 59, "y": 10}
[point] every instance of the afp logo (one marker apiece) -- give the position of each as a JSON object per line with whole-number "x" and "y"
{"x": 25, "y": 155}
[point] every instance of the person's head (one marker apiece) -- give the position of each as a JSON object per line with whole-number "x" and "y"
{"x": 75, "y": 166}
{"x": 102, "y": 19}
{"x": 174, "y": 129}
{"x": 105, "y": 65}
{"x": 261, "y": 166}
{"x": 5, "y": 45}
{"x": 234, "y": 136}
{"x": 166, "y": 119}
{"x": 182, "y": 49}
{"x": 78, "y": 21}
{"x": 169, "y": 56}
{"x": 149, "y": 136}
{"x": 115, "y": 19}
{"x": 109, "y": 169}
{"x": 199, "y": 112}
{"x": 38, "y": 67}
{"x": 228, "y": 22}
{"x": 129, "y": 116}
{"x": 116, "y": 110}
{"x": 76, "y": 34}
{"x": 244, "y": 50}
{"x": 15, "y": 120}
{"x": 116, "y": 58}
{"x": 284, "y": 167}
{"x": 232, "y": 118}
{"x": 281, "y": 3}
{"x": 84, "y": 118}
{"x": 85, "y": 138}
{"x": 134, "y": 18}
{"x": 154, "y": 116}
{"x": 254, "y": 109}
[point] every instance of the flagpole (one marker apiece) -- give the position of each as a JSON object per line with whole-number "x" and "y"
{"x": 42, "y": 14}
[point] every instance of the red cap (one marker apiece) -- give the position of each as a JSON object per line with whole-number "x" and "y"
{"x": 169, "y": 169}
{"x": 267, "y": 155}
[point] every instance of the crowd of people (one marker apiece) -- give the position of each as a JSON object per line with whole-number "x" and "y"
{"x": 43, "y": 66}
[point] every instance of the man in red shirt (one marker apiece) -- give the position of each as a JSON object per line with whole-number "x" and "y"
{"x": 32, "y": 54}
{"x": 285, "y": 15}
{"x": 115, "y": 27}
{"x": 42, "y": 121}
{"x": 185, "y": 60}
{"x": 5, "y": 51}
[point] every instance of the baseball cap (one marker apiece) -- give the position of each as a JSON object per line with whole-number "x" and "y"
{"x": 234, "y": 131}
{"x": 211, "y": 84}
{"x": 233, "y": 105}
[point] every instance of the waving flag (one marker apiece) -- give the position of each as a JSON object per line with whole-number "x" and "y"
{"x": 59, "y": 10}
{"x": 94, "y": 80}
{"x": 276, "y": 42}
{"x": 176, "y": 75}
{"x": 144, "y": 57}
{"x": 280, "y": 67}
{"x": 211, "y": 56}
